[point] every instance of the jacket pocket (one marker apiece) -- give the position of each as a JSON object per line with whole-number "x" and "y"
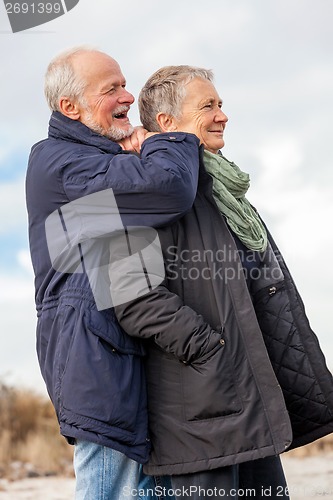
{"x": 209, "y": 386}
{"x": 101, "y": 381}
{"x": 105, "y": 325}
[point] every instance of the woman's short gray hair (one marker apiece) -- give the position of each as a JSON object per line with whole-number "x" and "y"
{"x": 62, "y": 80}
{"x": 165, "y": 91}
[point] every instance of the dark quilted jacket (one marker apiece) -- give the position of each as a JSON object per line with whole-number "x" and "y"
{"x": 233, "y": 374}
{"x": 296, "y": 358}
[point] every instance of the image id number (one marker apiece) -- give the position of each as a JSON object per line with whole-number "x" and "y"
{"x": 33, "y": 8}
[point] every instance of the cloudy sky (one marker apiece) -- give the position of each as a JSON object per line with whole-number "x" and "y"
{"x": 273, "y": 65}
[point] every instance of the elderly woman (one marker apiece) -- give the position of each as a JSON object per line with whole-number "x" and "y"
{"x": 235, "y": 373}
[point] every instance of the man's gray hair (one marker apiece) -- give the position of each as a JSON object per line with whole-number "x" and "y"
{"x": 62, "y": 80}
{"x": 165, "y": 91}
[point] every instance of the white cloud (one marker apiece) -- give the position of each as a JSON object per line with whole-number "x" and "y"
{"x": 12, "y": 205}
{"x": 15, "y": 288}
{"x": 18, "y": 359}
{"x": 3, "y": 155}
{"x": 24, "y": 260}
{"x": 300, "y": 207}
{"x": 280, "y": 157}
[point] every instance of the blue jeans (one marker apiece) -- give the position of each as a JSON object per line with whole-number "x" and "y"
{"x": 106, "y": 474}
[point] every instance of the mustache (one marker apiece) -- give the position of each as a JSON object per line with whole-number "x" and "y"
{"x": 120, "y": 110}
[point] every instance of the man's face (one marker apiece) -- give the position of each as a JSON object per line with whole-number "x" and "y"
{"x": 202, "y": 114}
{"x": 106, "y": 101}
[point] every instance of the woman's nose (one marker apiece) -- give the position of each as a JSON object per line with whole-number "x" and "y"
{"x": 221, "y": 117}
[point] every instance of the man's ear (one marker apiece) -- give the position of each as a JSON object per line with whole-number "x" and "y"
{"x": 69, "y": 108}
{"x": 166, "y": 122}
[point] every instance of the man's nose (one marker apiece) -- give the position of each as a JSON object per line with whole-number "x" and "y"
{"x": 126, "y": 97}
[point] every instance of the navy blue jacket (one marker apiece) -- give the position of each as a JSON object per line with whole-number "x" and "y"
{"x": 93, "y": 371}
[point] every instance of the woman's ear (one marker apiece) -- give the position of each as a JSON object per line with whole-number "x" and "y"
{"x": 166, "y": 122}
{"x": 69, "y": 108}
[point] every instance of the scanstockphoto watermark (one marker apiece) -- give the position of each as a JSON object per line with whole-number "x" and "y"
{"x": 227, "y": 253}
{"x": 24, "y": 15}
{"x": 188, "y": 492}
{"x": 224, "y": 273}
{"x": 226, "y": 264}
{"x": 88, "y": 236}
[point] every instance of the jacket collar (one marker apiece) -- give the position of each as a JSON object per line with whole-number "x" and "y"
{"x": 205, "y": 180}
{"x": 62, "y": 127}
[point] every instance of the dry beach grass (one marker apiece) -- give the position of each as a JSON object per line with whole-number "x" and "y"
{"x": 30, "y": 444}
{"x": 36, "y": 462}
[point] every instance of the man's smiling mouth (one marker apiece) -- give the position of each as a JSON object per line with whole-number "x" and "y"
{"x": 121, "y": 113}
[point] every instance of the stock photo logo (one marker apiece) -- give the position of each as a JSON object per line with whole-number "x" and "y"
{"x": 24, "y": 15}
{"x": 87, "y": 236}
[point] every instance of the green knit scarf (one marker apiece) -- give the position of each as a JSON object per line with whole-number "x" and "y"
{"x": 230, "y": 185}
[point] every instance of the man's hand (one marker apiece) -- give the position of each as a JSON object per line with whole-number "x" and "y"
{"x": 134, "y": 142}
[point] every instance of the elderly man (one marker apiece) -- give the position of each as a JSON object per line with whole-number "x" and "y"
{"x": 93, "y": 371}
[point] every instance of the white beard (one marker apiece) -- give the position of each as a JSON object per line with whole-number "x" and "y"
{"x": 114, "y": 133}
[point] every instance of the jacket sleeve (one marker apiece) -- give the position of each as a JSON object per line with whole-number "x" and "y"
{"x": 177, "y": 329}
{"x": 143, "y": 304}
{"x": 151, "y": 190}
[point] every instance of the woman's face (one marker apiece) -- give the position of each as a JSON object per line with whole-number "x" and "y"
{"x": 202, "y": 114}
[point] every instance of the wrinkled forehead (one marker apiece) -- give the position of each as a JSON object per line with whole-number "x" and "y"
{"x": 97, "y": 68}
{"x": 201, "y": 89}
